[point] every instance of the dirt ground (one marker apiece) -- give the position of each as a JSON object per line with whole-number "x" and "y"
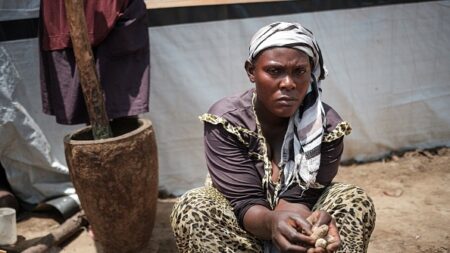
{"x": 410, "y": 192}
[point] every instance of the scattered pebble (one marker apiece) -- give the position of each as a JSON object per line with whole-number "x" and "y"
{"x": 393, "y": 193}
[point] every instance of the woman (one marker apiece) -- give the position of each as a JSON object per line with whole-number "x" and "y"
{"x": 272, "y": 153}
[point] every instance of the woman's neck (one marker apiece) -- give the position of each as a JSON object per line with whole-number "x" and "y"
{"x": 273, "y": 128}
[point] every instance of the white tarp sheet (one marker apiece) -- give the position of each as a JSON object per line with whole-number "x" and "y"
{"x": 389, "y": 76}
{"x": 34, "y": 172}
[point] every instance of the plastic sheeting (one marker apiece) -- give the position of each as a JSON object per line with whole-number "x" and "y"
{"x": 34, "y": 173}
{"x": 388, "y": 76}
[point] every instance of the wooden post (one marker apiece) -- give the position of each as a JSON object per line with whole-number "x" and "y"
{"x": 90, "y": 85}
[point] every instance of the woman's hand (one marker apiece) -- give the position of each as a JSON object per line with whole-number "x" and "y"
{"x": 287, "y": 228}
{"x": 333, "y": 245}
{"x": 318, "y": 218}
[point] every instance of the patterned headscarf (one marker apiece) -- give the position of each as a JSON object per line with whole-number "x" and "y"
{"x": 300, "y": 153}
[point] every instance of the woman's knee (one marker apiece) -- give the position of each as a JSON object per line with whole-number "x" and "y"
{"x": 342, "y": 195}
{"x": 355, "y": 201}
{"x": 184, "y": 207}
{"x": 200, "y": 204}
{"x": 360, "y": 199}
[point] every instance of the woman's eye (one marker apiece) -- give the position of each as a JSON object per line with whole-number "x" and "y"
{"x": 300, "y": 71}
{"x": 273, "y": 71}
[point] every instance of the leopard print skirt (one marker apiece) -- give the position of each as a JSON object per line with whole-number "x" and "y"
{"x": 203, "y": 221}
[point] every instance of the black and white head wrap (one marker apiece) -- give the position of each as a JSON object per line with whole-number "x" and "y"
{"x": 300, "y": 153}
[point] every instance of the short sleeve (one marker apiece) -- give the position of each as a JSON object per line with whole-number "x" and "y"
{"x": 233, "y": 172}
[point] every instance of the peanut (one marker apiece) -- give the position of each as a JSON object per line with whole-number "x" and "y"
{"x": 319, "y": 232}
{"x": 321, "y": 242}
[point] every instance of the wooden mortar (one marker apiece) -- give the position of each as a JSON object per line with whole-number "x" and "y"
{"x": 116, "y": 180}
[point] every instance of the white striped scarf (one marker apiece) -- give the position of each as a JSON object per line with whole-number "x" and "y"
{"x": 300, "y": 152}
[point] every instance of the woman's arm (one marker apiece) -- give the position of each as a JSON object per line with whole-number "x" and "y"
{"x": 232, "y": 171}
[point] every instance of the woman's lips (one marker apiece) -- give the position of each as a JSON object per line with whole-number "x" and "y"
{"x": 286, "y": 101}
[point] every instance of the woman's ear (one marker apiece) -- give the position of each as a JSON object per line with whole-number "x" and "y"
{"x": 250, "y": 68}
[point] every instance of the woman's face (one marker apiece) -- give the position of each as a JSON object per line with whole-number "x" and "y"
{"x": 282, "y": 77}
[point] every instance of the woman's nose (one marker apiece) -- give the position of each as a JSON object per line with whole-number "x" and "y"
{"x": 287, "y": 83}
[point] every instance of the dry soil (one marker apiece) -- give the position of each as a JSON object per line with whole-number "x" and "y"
{"x": 411, "y": 194}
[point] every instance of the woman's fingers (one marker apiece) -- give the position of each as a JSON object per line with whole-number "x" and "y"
{"x": 324, "y": 218}
{"x": 289, "y": 236}
{"x": 293, "y": 233}
{"x": 302, "y": 224}
{"x": 320, "y": 217}
{"x": 335, "y": 241}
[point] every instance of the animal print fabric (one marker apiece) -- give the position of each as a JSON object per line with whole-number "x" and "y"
{"x": 203, "y": 221}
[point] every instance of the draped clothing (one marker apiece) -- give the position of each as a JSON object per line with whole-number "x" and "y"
{"x": 237, "y": 158}
{"x": 118, "y": 33}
